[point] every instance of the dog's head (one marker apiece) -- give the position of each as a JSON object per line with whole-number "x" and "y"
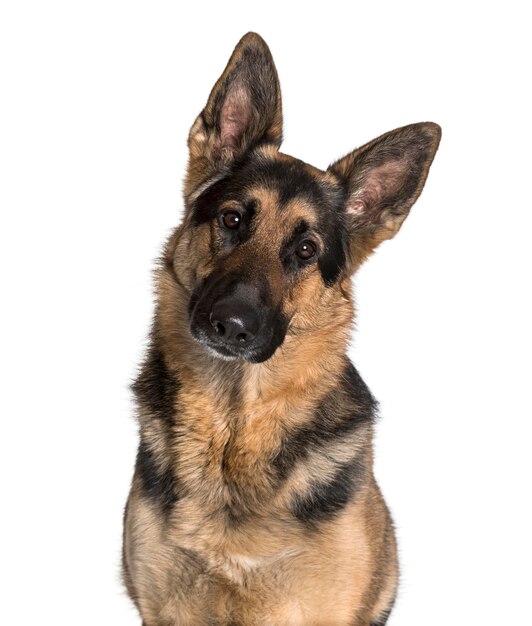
{"x": 268, "y": 242}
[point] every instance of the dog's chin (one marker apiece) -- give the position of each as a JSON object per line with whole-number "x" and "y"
{"x": 228, "y": 353}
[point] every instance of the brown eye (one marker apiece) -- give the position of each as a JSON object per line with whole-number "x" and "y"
{"x": 231, "y": 219}
{"x": 306, "y": 250}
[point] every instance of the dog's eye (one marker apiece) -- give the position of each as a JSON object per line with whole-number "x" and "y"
{"x": 231, "y": 219}
{"x": 306, "y": 250}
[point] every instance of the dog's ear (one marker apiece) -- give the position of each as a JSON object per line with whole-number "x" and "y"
{"x": 244, "y": 109}
{"x": 383, "y": 179}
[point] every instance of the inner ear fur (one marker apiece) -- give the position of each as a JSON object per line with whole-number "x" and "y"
{"x": 243, "y": 109}
{"x": 383, "y": 180}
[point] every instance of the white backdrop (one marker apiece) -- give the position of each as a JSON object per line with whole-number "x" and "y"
{"x": 96, "y": 102}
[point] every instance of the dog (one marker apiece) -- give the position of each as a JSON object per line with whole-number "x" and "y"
{"x": 253, "y": 500}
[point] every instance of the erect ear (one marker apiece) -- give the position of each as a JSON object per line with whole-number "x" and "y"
{"x": 244, "y": 108}
{"x": 383, "y": 179}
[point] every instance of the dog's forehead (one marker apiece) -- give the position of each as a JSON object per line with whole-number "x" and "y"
{"x": 274, "y": 183}
{"x": 289, "y": 181}
{"x": 285, "y": 213}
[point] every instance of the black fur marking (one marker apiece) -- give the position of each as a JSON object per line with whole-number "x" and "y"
{"x": 327, "y": 498}
{"x": 382, "y": 619}
{"x": 156, "y": 388}
{"x": 332, "y": 260}
{"x": 291, "y": 262}
{"x": 341, "y": 412}
{"x": 159, "y": 485}
{"x": 289, "y": 178}
{"x": 231, "y": 238}
{"x": 207, "y": 208}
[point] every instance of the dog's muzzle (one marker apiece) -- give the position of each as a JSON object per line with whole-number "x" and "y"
{"x": 235, "y": 320}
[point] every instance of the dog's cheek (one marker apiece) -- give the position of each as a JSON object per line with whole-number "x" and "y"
{"x": 301, "y": 301}
{"x": 193, "y": 256}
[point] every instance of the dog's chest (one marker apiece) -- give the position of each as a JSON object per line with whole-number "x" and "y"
{"x": 225, "y": 456}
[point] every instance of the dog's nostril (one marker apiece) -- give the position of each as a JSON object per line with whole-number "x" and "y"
{"x": 234, "y": 323}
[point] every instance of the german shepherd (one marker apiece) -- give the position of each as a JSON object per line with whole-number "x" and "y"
{"x": 253, "y": 500}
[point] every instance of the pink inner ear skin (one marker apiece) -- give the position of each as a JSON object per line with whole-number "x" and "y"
{"x": 376, "y": 185}
{"x": 235, "y": 117}
{"x": 356, "y": 207}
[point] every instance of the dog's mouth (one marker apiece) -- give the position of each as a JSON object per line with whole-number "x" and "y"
{"x": 222, "y": 350}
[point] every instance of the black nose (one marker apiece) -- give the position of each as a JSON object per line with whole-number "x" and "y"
{"x": 234, "y": 320}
